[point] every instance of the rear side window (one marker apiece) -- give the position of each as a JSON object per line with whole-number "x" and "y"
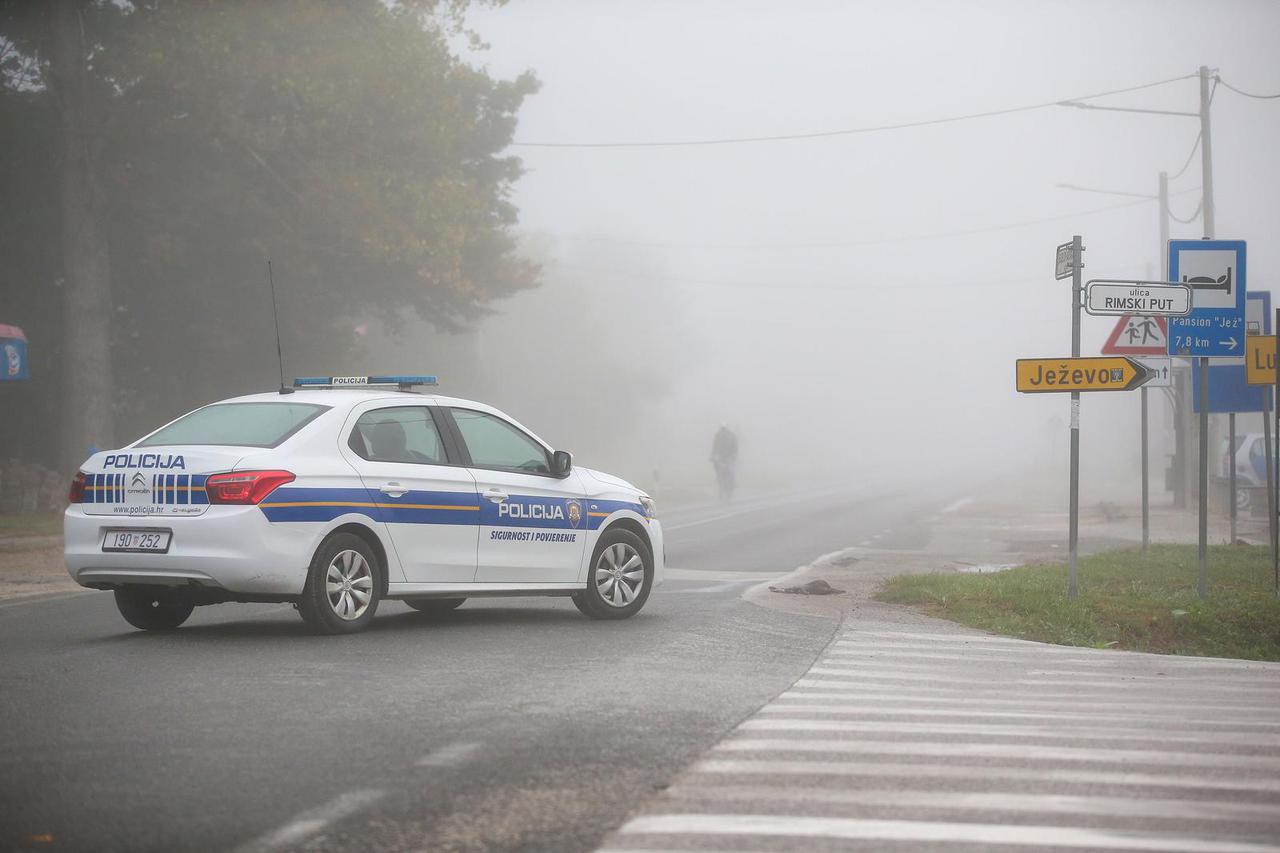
{"x": 237, "y": 425}
{"x": 401, "y": 434}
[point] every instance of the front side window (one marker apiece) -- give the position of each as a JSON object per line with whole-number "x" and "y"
{"x": 237, "y": 425}
{"x": 402, "y": 434}
{"x": 494, "y": 443}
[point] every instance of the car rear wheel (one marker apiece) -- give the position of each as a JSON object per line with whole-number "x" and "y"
{"x": 620, "y": 579}
{"x": 434, "y": 606}
{"x": 343, "y": 587}
{"x": 155, "y": 608}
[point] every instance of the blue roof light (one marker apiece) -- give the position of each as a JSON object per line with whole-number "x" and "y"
{"x": 403, "y": 382}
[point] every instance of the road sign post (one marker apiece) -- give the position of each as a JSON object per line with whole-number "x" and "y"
{"x": 1273, "y": 479}
{"x": 1135, "y": 334}
{"x": 1215, "y": 272}
{"x": 1073, "y": 532}
{"x": 1260, "y": 369}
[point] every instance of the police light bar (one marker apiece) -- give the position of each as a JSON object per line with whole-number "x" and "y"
{"x": 402, "y": 382}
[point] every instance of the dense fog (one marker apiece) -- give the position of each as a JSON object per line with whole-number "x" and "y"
{"x": 851, "y": 304}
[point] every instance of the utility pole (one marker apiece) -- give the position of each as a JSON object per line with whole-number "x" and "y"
{"x": 1073, "y": 535}
{"x": 1206, "y": 182}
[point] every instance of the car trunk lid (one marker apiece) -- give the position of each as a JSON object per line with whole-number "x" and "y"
{"x": 153, "y": 481}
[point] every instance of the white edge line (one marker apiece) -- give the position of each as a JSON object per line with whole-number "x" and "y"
{"x": 311, "y": 821}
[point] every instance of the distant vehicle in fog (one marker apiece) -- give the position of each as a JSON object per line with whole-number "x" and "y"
{"x": 1250, "y": 462}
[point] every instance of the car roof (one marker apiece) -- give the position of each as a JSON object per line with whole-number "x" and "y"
{"x": 346, "y": 398}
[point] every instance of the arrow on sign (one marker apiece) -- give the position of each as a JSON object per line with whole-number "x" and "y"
{"x": 1106, "y": 373}
{"x": 1231, "y": 344}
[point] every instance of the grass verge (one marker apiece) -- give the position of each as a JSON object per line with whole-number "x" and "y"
{"x": 1128, "y": 600}
{"x": 30, "y": 524}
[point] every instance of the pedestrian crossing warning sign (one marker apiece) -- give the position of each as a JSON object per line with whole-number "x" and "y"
{"x": 1135, "y": 335}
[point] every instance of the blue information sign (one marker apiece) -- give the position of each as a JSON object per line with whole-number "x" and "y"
{"x": 13, "y": 355}
{"x": 1229, "y": 389}
{"x": 1215, "y": 272}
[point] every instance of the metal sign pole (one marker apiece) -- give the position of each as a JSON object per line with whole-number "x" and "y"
{"x": 1073, "y": 534}
{"x": 1204, "y": 477}
{"x": 1273, "y": 480}
{"x": 1231, "y": 469}
{"x": 1146, "y": 504}
{"x": 1271, "y": 498}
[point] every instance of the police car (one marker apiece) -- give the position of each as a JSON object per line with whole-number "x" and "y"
{"x": 345, "y": 491}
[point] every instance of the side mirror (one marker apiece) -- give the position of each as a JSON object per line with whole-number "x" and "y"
{"x": 561, "y": 463}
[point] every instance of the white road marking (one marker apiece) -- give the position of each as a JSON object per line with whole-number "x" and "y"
{"x": 940, "y": 739}
{"x": 452, "y": 755}
{"x": 995, "y": 801}
{"x": 855, "y": 674}
{"x": 839, "y": 690}
{"x": 712, "y": 575}
{"x": 975, "y": 647}
{"x": 900, "y": 830}
{"x": 966, "y": 774}
{"x": 954, "y": 506}
{"x": 1034, "y": 731}
{"x": 783, "y": 706}
{"x": 310, "y": 822}
{"x": 1020, "y": 752}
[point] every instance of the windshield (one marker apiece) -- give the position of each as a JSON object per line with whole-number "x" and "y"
{"x": 237, "y": 424}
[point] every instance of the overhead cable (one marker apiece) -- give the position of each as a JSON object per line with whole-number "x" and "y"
{"x": 1246, "y": 94}
{"x": 680, "y": 143}
{"x": 1192, "y": 218}
{"x": 1026, "y": 223}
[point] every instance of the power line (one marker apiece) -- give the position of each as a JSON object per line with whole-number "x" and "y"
{"x": 1192, "y": 218}
{"x": 682, "y": 143}
{"x": 937, "y": 235}
{"x": 879, "y": 286}
{"x": 1217, "y": 79}
{"x": 1194, "y": 148}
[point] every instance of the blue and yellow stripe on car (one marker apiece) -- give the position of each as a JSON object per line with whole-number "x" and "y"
{"x": 293, "y": 503}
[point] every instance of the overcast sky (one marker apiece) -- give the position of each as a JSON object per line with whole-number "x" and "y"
{"x": 927, "y": 328}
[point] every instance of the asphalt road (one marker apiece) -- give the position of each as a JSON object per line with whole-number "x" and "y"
{"x": 509, "y": 724}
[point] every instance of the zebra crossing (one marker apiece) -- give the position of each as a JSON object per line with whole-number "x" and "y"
{"x": 921, "y": 740}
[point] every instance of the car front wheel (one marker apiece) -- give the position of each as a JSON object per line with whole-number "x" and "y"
{"x": 343, "y": 587}
{"x": 620, "y": 578}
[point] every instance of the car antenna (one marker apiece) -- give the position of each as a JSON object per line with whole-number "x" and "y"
{"x": 275, "y": 315}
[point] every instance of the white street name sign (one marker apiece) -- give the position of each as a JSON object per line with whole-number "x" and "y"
{"x": 1108, "y": 297}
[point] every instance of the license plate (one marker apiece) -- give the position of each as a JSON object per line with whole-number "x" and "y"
{"x": 149, "y": 541}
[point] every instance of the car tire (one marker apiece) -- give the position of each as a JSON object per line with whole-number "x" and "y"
{"x": 153, "y": 608}
{"x": 344, "y": 586}
{"x": 434, "y": 606}
{"x": 617, "y": 585}
{"x": 1244, "y": 499}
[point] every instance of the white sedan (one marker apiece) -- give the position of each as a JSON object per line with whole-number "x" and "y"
{"x": 347, "y": 491}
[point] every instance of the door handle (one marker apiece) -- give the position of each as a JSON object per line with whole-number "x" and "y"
{"x": 495, "y": 495}
{"x": 393, "y": 490}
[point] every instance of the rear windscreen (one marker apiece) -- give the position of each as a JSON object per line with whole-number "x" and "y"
{"x": 237, "y": 424}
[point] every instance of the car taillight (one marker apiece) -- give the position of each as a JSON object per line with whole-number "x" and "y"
{"x": 244, "y": 487}
{"x": 76, "y": 495}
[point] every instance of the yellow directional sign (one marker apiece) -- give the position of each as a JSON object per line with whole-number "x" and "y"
{"x": 1105, "y": 373}
{"x": 1260, "y": 359}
